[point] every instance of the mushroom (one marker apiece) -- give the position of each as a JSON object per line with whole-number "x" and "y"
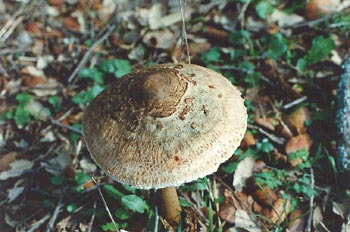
{"x": 165, "y": 125}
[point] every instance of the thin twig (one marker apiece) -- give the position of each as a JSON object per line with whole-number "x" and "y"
{"x": 156, "y": 219}
{"x": 311, "y": 202}
{"x": 57, "y": 123}
{"x": 294, "y": 103}
{"x": 92, "y": 218}
{"x": 37, "y": 224}
{"x": 272, "y": 137}
{"x": 194, "y": 206}
{"x": 184, "y": 33}
{"x": 88, "y": 53}
{"x": 106, "y": 206}
{"x": 243, "y": 10}
{"x": 56, "y": 211}
{"x": 3, "y": 71}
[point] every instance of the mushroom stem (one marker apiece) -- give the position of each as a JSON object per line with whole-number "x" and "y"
{"x": 169, "y": 205}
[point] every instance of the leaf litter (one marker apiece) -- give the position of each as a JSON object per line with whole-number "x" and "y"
{"x": 284, "y": 59}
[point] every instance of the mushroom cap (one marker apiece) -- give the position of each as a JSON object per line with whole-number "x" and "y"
{"x": 165, "y": 125}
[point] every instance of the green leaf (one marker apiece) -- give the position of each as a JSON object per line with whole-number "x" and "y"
{"x": 86, "y": 96}
{"x": 212, "y": 55}
{"x": 267, "y": 178}
{"x": 21, "y": 116}
{"x": 113, "y": 192}
{"x": 301, "y": 65}
{"x": 81, "y": 178}
{"x": 264, "y": 9}
{"x": 75, "y": 136}
{"x": 54, "y": 101}
{"x": 321, "y": 47}
{"x": 123, "y": 67}
{"x": 134, "y": 203}
{"x": 57, "y": 180}
{"x": 108, "y": 227}
{"x": 24, "y": 98}
{"x": 92, "y": 73}
{"x": 107, "y": 66}
{"x": 277, "y": 46}
{"x": 239, "y": 37}
{"x": 71, "y": 207}
{"x": 129, "y": 188}
{"x": 123, "y": 214}
{"x": 264, "y": 146}
{"x": 118, "y": 67}
{"x": 184, "y": 202}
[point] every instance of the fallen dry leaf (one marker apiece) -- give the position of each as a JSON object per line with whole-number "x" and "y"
{"x": 298, "y": 119}
{"x": 259, "y": 165}
{"x": 264, "y": 196}
{"x": 6, "y": 160}
{"x": 318, "y": 8}
{"x": 266, "y": 122}
{"x": 57, "y": 3}
{"x": 228, "y": 208}
{"x": 297, "y": 221}
{"x": 159, "y": 39}
{"x": 245, "y": 221}
{"x": 72, "y": 23}
{"x": 14, "y": 192}
{"x": 243, "y": 171}
{"x": 280, "y": 210}
{"x": 32, "y": 81}
{"x": 296, "y": 143}
{"x": 248, "y": 140}
{"x": 18, "y": 167}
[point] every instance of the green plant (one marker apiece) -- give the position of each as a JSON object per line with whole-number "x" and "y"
{"x": 25, "y": 110}
{"x": 320, "y": 49}
{"x": 264, "y": 9}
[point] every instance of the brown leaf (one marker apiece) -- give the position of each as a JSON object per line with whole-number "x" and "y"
{"x": 72, "y": 23}
{"x": 264, "y": 196}
{"x": 218, "y": 35}
{"x": 318, "y": 8}
{"x": 259, "y": 165}
{"x": 6, "y": 160}
{"x": 35, "y": 28}
{"x": 227, "y": 212}
{"x": 57, "y": 3}
{"x": 297, "y": 221}
{"x": 269, "y": 68}
{"x": 32, "y": 81}
{"x": 268, "y": 123}
{"x": 284, "y": 130}
{"x": 298, "y": 119}
{"x": 248, "y": 140}
{"x": 280, "y": 211}
{"x": 296, "y": 143}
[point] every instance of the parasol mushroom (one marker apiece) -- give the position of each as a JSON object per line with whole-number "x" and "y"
{"x": 165, "y": 125}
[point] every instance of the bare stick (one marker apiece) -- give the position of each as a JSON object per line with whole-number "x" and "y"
{"x": 184, "y": 33}
{"x": 88, "y": 53}
{"x": 294, "y": 103}
{"x": 311, "y": 202}
{"x": 156, "y": 219}
{"x": 56, "y": 211}
{"x": 92, "y": 218}
{"x": 106, "y": 206}
{"x": 37, "y": 224}
{"x": 57, "y": 123}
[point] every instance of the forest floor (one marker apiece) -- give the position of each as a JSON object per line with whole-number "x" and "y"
{"x": 284, "y": 56}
